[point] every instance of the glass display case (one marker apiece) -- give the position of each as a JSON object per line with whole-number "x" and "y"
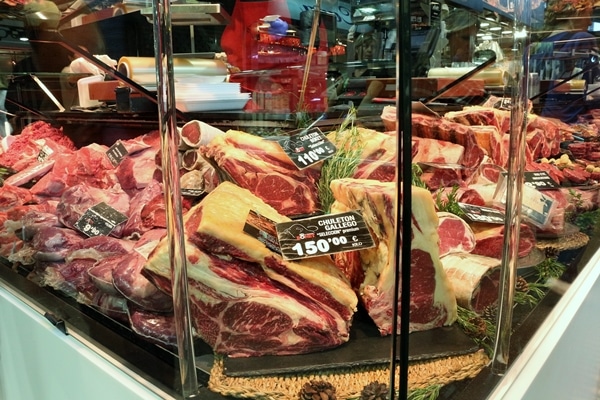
{"x": 296, "y": 200}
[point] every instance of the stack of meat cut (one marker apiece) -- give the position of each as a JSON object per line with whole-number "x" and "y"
{"x": 246, "y": 299}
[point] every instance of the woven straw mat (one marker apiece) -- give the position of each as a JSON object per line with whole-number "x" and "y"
{"x": 348, "y": 382}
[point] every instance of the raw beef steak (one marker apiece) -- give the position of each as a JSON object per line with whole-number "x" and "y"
{"x": 432, "y": 300}
{"x": 262, "y": 167}
{"x": 247, "y": 300}
{"x": 456, "y": 236}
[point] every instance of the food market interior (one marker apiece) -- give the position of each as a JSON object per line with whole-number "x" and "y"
{"x": 299, "y": 200}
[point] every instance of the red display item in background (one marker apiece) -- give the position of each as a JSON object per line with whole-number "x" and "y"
{"x": 272, "y": 66}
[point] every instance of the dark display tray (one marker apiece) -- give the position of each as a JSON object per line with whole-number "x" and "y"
{"x": 366, "y": 347}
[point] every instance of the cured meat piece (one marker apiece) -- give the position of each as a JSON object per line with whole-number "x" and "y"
{"x": 76, "y": 200}
{"x": 456, "y": 236}
{"x": 490, "y": 240}
{"x": 197, "y": 133}
{"x": 389, "y": 118}
{"x": 436, "y": 151}
{"x": 432, "y": 300}
{"x": 262, "y": 167}
{"x": 426, "y": 126}
{"x": 129, "y": 281}
{"x": 475, "y": 279}
{"x": 246, "y": 299}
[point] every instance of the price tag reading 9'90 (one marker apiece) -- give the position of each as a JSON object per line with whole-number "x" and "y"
{"x": 307, "y": 147}
{"x": 326, "y": 234}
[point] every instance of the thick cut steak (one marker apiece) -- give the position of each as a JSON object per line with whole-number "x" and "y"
{"x": 432, "y": 300}
{"x": 490, "y": 240}
{"x": 247, "y": 300}
{"x": 425, "y": 126}
{"x": 262, "y": 167}
{"x": 456, "y": 236}
{"x": 475, "y": 279}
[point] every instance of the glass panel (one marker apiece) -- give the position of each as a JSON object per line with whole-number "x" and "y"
{"x": 227, "y": 190}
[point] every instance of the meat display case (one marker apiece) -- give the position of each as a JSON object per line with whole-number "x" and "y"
{"x": 448, "y": 360}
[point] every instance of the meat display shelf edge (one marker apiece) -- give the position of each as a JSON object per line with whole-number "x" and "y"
{"x": 145, "y": 359}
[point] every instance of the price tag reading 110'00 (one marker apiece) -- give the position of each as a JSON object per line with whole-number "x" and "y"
{"x": 307, "y": 147}
{"x": 326, "y": 234}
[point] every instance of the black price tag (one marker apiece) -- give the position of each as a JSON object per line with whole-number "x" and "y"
{"x": 44, "y": 153}
{"x": 482, "y": 214}
{"x": 435, "y": 12}
{"x": 307, "y": 147}
{"x": 116, "y": 153}
{"x": 540, "y": 180}
{"x": 99, "y": 220}
{"x": 504, "y": 103}
{"x": 263, "y": 229}
{"x": 326, "y": 234}
{"x": 192, "y": 192}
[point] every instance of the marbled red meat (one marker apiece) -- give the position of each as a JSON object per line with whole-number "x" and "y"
{"x": 262, "y": 167}
{"x": 456, "y": 236}
{"x": 432, "y": 300}
{"x": 490, "y": 240}
{"x": 236, "y": 280}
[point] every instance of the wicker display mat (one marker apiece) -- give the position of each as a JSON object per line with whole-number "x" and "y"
{"x": 569, "y": 242}
{"x": 348, "y": 382}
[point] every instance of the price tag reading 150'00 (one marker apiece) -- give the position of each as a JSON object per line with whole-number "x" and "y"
{"x": 307, "y": 147}
{"x": 326, "y": 234}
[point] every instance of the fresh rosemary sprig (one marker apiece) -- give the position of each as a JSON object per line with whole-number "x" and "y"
{"x": 481, "y": 330}
{"x": 450, "y": 204}
{"x": 588, "y": 221}
{"x": 416, "y": 176}
{"x": 428, "y": 393}
{"x": 343, "y": 163}
{"x": 549, "y": 268}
